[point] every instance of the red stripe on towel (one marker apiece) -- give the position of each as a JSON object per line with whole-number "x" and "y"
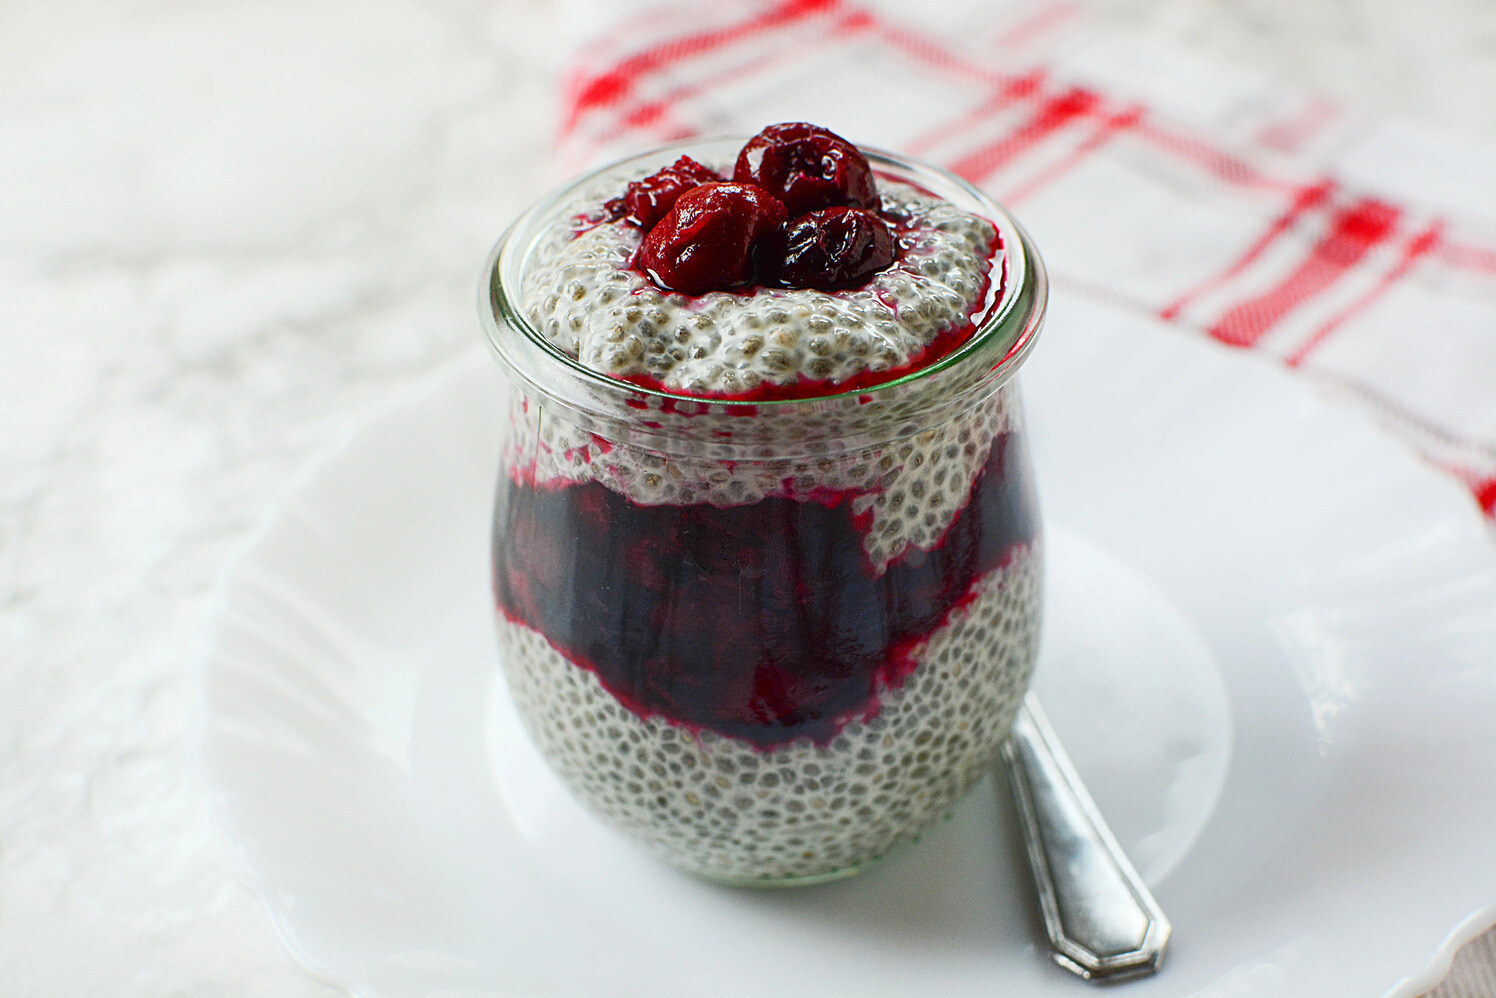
{"x": 938, "y": 56}
{"x": 1225, "y": 166}
{"x": 1353, "y": 233}
{"x": 1054, "y": 114}
{"x": 615, "y": 84}
{"x": 1030, "y": 28}
{"x": 1009, "y": 92}
{"x": 1420, "y": 246}
{"x": 1290, "y": 135}
{"x": 1469, "y": 257}
{"x": 659, "y": 116}
{"x": 1485, "y": 494}
{"x": 1110, "y": 128}
{"x": 1309, "y": 197}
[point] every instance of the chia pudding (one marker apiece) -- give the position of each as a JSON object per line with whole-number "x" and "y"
{"x": 766, "y": 550}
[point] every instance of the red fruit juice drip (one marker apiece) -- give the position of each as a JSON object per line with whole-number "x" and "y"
{"x": 765, "y": 622}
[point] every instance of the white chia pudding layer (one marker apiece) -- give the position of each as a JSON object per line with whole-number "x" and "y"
{"x": 726, "y": 810}
{"x": 583, "y": 295}
{"x": 909, "y": 491}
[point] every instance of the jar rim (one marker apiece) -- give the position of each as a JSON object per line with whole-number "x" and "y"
{"x": 1008, "y": 331}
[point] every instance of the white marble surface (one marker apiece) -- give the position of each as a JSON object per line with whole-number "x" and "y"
{"x": 228, "y": 231}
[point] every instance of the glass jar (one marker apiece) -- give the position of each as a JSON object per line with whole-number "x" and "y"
{"x": 769, "y": 640}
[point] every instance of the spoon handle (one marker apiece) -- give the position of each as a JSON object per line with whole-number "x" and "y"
{"x": 1102, "y": 922}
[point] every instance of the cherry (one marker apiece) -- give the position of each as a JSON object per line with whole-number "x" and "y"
{"x": 709, "y": 239}
{"x": 807, "y": 167}
{"x": 646, "y": 201}
{"x": 833, "y": 248}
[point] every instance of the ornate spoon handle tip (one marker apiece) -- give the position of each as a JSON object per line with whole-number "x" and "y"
{"x": 1102, "y": 922}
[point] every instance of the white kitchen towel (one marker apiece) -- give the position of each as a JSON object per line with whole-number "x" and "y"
{"x": 1356, "y": 251}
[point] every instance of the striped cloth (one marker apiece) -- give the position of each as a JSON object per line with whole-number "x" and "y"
{"x": 1351, "y": 249}
{"x": 1356, "y": 250}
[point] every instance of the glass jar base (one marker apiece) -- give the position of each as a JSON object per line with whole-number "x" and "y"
{"x": 805, "y": 880}
{"x": 842, "y": 873}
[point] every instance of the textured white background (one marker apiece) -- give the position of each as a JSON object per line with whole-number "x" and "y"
{"x": 231, "y": 229}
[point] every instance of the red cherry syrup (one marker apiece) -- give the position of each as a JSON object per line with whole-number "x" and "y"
{"x": 765, "y": 622}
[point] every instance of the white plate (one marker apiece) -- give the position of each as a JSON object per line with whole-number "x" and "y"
{"x": 1271, "y": 648}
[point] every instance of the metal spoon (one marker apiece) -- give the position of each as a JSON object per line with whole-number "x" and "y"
{"x": 1102, "y": 922}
